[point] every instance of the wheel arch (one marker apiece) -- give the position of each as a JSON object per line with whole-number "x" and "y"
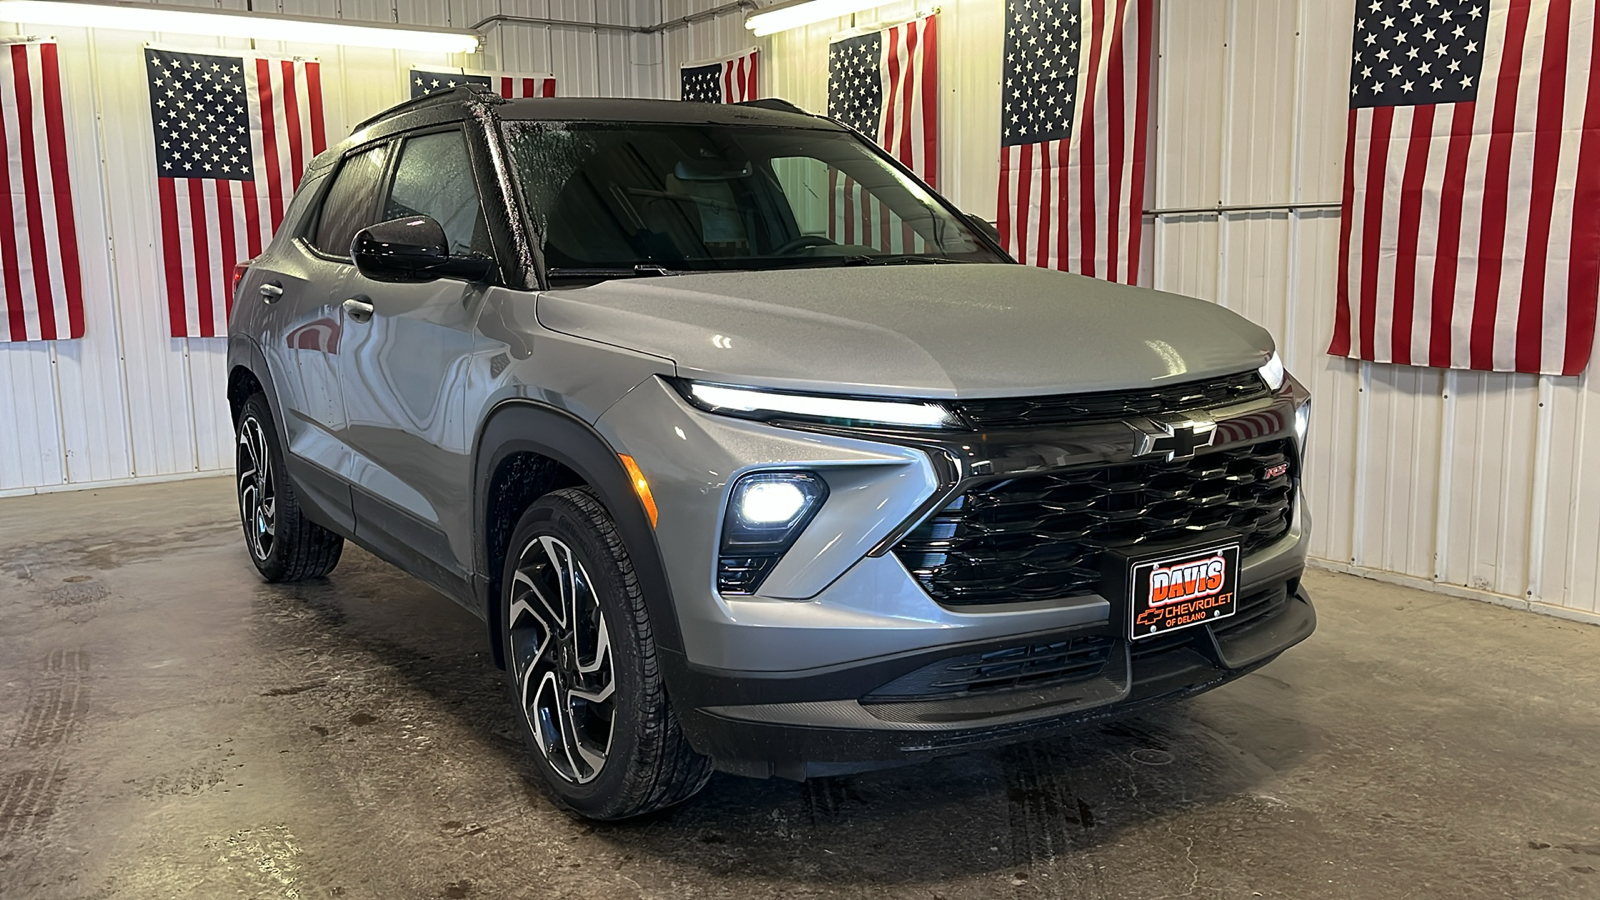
{"x": 247, "y": 373}
{"x": 517, "y": 428}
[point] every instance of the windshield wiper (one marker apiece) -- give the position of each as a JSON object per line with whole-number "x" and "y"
{"x": 897, "y": 259}
{"x": 642, "y": 270}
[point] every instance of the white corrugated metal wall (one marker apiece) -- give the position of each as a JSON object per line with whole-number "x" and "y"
{"x": 1470, "y": 483}
{"x": 128, "y": 402}
{"x": 1464, "y": 482}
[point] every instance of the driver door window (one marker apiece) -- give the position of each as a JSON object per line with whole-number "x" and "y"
{"x": 351, "y": 201}
{"x": 434, "y": 178}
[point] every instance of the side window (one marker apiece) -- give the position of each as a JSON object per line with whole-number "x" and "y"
{"x": 348, "y": 208}
{"x": 434, "y": 178}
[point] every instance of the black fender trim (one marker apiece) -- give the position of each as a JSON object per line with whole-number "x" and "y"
{"x": 528, "y": 426}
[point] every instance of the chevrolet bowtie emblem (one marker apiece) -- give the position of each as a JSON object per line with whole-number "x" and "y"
{"x": 1173, "y": 439}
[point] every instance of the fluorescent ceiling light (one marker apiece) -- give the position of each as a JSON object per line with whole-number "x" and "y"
{"x": 794, "y": 15}
{"x": 226, "y": 23}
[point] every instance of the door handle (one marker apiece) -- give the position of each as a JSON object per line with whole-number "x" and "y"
{"x": 358, "y": 308}
{"x": 271, "y": 291}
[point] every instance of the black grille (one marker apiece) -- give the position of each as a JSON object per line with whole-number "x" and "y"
{"x": 1042, "y": 537}
{"x": 1030, "y": 665}
{"x": 1073, "y": 409}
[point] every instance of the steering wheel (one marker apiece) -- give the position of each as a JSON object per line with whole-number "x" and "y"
{"x": 803, "y": 242}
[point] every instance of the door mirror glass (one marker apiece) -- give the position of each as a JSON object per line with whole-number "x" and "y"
{"x": 412, "y": 249}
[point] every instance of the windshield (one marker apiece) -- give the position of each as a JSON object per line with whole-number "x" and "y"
{"x": 643, "y": 197}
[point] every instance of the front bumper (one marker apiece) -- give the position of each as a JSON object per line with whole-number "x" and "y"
{"x": 799, "y": 739}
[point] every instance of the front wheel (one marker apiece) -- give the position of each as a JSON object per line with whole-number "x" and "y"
{"x": 582, "y": 665}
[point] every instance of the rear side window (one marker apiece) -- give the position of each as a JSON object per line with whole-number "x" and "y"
{"x": 351, "y": 200}
{"x": 434, "y": 178}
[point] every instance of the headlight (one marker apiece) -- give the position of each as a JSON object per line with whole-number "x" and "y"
{"x": 766, "y": 513}
{"x": 750, "y": 403}
{"x": 1302, "y": 422}
{"x": 1272, "y": 372}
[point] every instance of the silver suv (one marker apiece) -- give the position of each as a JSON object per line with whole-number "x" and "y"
{"x": 752, "y": 452}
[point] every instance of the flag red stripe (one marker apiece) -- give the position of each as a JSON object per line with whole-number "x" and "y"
{"x": 1003, "y": 212}
{"x": 1546, "y": 159}
{"x": 171, "y": 256}
{"x": 1046, "y": 176}
{"x": 269, "y": 143}
{"x": 849, "y": 211}
{"x": 228, "y": 254}
{"x": 750, "y": 82}
{"x": 1372, "y": 227}
{"x": 30, "y": 198}
{"x": 1340, "y": 345}
{"x": 1114, "y": 125}
{"x": 1063, "y": 185}
{"x": 314, "y": 104}
{"x": 1087, "y": 169}
{"x": 930, "y": 101}
{"x": 201, "y": 262}
{"x": 1497, "y": 172}
{"x": 291, "y": 124}
{"x": 16, "y": 315}
{"x": 1583, "y": 281}
{"x": 727, "y": 82}
{"x": 549, "y": 87}
{"x": 66, "y": 223}
{"x": 1448, "y": 255}
{"x": 252, "y": 217}
{"x": 890, "y": 66}
{"x": 1418, "y": 145}
{"x": 1141, "y": 109}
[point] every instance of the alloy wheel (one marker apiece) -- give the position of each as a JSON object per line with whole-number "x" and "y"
{"x": 258, "y": 498}
{"x": 561, "y": 654}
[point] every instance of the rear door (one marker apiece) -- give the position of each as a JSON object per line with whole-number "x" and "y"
{"x": 317, "y": 262}
{"x": 403, "y": 371}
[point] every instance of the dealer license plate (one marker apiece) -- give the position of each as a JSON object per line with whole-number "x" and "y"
{"x": 1183, "y": 589}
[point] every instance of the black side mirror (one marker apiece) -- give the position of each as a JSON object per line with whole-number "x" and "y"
{"x": 412, "y": 249}
{"x": 989, "y": 231}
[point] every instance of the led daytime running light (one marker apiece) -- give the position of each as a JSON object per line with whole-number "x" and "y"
{"x": 880, "y": 412}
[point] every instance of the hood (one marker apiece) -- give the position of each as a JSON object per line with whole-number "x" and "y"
{"x": 938, "y": 331}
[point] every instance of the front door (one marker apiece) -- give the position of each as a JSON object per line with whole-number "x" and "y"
{"x": 403, "y": 368}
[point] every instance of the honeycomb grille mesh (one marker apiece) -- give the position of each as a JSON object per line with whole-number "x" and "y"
{"x": 1043, "y": 537}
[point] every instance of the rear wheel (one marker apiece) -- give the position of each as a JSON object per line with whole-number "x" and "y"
{"x": 283, "y": 543}
{"x": 582, "y": 665}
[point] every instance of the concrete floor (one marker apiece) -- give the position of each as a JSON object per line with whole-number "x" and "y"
{"x": 172, "y": 727}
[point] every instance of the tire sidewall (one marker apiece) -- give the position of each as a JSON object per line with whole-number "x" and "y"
{"x": 560, "y": 518}
{"x": 272, "y": 567}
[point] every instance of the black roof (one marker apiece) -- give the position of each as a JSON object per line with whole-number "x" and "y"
{"x": 603, "y": 109}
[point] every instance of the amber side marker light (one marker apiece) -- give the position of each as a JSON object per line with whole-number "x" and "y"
{"x": 640, "y": 486}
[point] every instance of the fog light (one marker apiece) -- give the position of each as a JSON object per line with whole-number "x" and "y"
{"x": 767, "y": 511}
{"x": 771, "y": 502}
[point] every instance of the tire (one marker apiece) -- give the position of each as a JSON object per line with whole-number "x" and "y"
{"x": 283, "y": 543}
{"x": 582, "y": 665}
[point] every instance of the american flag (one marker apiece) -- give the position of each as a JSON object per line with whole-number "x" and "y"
{"x": 43, "y": 289}
{"x": 1075, "y": 104}
{"x": 233, "y": 135}
{"x": 731, "y": 80}
{"x": 509, "y": 85}
{"x": 884, "y": 84}
{"x": 1471, "y": 230}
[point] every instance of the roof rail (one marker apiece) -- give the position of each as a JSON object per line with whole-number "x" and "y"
{"x": 773, "y": 103}
{"x": 456, "y": 94}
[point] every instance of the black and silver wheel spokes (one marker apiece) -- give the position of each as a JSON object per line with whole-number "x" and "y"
{"x": 258, "y": 498}
{"x": 561, "y": 654}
